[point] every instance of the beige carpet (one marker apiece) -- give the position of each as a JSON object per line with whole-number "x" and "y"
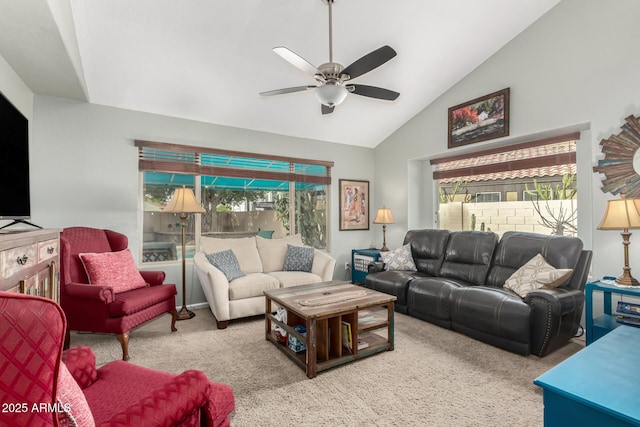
{"x": 434, "y": 377}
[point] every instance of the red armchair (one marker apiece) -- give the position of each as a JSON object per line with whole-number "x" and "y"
{"x": 118, "y": 394}
{"x": 95, "y": 308}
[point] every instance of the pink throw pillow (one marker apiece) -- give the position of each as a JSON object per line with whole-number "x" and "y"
{"x": 74, "y": 409}
{"x": 114, "y": 269}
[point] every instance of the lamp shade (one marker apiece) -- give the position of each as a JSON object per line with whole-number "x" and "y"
{"x": 383, "y": 216}
{"x": 183, "y": 201}
{"x": 621, "y": 214}
{"x": 331, "y": 94}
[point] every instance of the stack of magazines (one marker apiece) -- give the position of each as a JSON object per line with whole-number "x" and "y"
{"x": 628, "y": 313}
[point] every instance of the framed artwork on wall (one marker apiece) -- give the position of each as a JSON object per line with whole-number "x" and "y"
{"x": 354, "y": 205}
{"x": 480, "y": 119}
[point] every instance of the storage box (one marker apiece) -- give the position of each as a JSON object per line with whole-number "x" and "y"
{"x": 295, "y": 344}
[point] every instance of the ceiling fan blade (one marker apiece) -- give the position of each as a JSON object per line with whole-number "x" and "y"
{"x": 373, "y": 92}
{"x": 286, "y": 90}
{"x": 326, "y": 110}
{"x": 369, "y": 62}
{"x": 296, "y": 60}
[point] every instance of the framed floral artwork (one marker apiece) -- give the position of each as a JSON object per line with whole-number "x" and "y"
{"x": 354, "y": 205}
{"x": 480, "y": 119}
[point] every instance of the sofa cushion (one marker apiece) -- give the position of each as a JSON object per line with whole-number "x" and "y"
{"x": 399, "y": 259}
{"x": 428, "y": 248}
{"x": 226, "y": 262}
{"x": 115, "y": 269}
{"x": 429, "y": 298}
{"x": 273, "y": 251}
{"x": 130, "y": 302}
{"x": 244, "y": 248}
{"x": 252, "y": 285}
{"x": 536, "y": 274}
{"x": 295, "y": 278}
{"x": 468, "y": 256}
{"x": 75, "y": 409}
{"x": 298, "y": 258}
{"x": 516, "y": 248}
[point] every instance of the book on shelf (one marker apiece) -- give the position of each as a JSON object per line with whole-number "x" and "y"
{"x": 362, "y": 344}
{"x": 347, "y": 339}
{"x": 627, "y": 320}
{"x": 628, "y": 308}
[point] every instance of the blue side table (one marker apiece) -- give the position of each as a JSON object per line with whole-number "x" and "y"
{"x": 596, "y": 386}
{"x": 360, "y": 259}
{"x": 602, "y": 325}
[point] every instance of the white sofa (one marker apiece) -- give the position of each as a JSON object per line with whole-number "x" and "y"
{"x": 262, "y": 262}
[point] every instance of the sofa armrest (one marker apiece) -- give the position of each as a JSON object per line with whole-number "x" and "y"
{"x": 153, "y": 278}
{"x": 169, "y": 405}
{"x": 89, "y": 292}
{"x": 323, "y": 265}
{"x": 375, "y": 267}
{"x": 555, "y": 317}
{"x": 214, "y": 285}
{"x": 81, "y": 363}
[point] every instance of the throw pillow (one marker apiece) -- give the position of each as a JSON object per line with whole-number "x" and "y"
{"x": 536, "y": 274}
{"x": 115, "y": 269}
{"x": 299, "y": 258}
{"x": 75, "y": 409}
{"x": 273, "y": 251}
{"x": 399, "y": 259}
{"x": 226, "y": 262}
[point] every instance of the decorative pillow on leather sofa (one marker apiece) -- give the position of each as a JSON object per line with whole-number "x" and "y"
{"x": 536, "y": 274}
{"x": 114, "y": 269}
{"x": 399, "y": 259}
{"x": 299, "y": 258}
{"x": 226, "y": 262}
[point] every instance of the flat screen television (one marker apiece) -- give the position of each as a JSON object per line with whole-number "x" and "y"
{"x": 15, "y": 201}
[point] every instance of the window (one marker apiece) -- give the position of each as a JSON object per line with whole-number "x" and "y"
{"x": 523, "y": 187}
{"x": 243, "y": 194}
{"x": 488, "y": 197}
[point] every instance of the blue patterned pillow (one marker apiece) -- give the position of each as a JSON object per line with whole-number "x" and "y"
{"x": 298, "y": 258}
{"x": 226, "y": 262}
{"x": 399, "y": 259}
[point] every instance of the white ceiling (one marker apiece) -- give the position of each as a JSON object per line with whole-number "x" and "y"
{"x": 207, "y": 60}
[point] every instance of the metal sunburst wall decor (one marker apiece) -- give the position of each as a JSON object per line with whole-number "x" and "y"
{"x": 620, "y": 151}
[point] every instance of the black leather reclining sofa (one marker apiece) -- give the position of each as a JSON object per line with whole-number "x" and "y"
{"x": 459, "y": 285}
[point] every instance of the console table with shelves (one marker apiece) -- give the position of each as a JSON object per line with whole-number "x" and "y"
{"x": 370, "y": 319}
{"x": 599, "y": 326}
{"x": 29, "y": 262}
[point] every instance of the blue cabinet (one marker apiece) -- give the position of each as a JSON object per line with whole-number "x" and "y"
{"x": 360, "y": 259}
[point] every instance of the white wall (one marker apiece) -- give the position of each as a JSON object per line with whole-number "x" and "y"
{"x": 15, "y": 90}
{"x": 85, "y": 169}
{"x": 574, "y": 69}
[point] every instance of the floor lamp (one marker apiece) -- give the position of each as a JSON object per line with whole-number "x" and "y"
{"x": 384, "y": 217}
{"x": 183, "y": 202}
{"x": 622, "y": 214}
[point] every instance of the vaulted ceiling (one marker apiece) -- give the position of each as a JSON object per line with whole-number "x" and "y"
{"x": 207, "y": 60}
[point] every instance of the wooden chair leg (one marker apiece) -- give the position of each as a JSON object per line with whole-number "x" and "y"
{"x": 124, "y": 342}
{"x": 222, "y": 324}
{"x": 174, "y": 317}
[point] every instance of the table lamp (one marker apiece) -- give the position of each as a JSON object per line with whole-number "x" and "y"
{"x": 183, "y": 202}
{"x": 622, "y": 214}
{"x": 384, "y": 217}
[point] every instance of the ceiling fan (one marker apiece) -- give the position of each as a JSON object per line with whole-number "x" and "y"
{"x": 333, "y": 80}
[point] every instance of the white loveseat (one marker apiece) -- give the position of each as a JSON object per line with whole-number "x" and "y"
{"x": 262, "y": 261}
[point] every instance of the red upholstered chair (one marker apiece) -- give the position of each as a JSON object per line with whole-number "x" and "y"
{"x": 33, "y": 393}
{"x": 96, "y": 308}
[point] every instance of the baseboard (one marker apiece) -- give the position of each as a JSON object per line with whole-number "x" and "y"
{"x": 195, "y": 306}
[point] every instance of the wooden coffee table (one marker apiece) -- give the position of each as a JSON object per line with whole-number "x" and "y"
{"x": 329, "y": 311}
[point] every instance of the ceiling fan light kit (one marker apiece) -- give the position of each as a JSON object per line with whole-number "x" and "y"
{"x": 331, "y": 78}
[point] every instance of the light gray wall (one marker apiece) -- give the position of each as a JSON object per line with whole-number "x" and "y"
{"x": 574, "y": 69}
{"x": 85, "y": 169}
{"x": 14, "y": 89}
